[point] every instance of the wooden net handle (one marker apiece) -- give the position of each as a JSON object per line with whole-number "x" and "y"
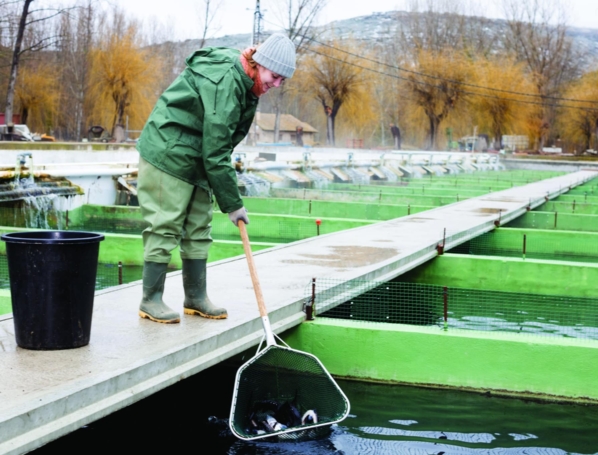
{"x": 252, "y": 270}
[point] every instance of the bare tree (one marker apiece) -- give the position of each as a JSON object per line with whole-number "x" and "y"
{"x": 207, "y": 10}
{"x": 537, "y": 35}
{"x": 73, "y": 57}
{"x": 26, "y": 19}
{"x": 436, "y": 87}
{"x": 122, "y": 74}
{"x": 16, "y": 55}
{"x": 170, "y": 53}
{"x": 493, "y": 107}
{"x": 297, "y": 18}
{"x": 436, "y": 25}
{"x": 334, "y": 80}
{"x": 436, "y": 33}
{"x": 579, "y": 122}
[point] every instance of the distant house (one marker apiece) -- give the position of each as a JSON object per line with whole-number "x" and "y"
{"x": 288, "y": 129}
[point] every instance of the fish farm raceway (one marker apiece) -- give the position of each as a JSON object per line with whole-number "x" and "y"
{"x": 437, "y": 270}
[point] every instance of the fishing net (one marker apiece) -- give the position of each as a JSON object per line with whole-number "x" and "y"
{"x": 285, "y": 394}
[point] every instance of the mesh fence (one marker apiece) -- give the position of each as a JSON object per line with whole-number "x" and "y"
{"x": 452, "y": 308}
{"x": 108, "y": 275}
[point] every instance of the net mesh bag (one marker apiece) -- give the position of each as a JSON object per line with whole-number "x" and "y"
{"x": 285, "y": 384}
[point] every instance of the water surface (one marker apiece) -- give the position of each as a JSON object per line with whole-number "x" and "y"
{"x": 384, "y": 419}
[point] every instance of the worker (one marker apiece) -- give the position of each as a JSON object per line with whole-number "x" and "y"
{"x": 185, "y": 161}
{"x": 396, "y": 136}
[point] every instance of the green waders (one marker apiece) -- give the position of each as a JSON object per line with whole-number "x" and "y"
{"x": 179, "y": 214}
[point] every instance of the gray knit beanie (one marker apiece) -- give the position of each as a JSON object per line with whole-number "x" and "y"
{"x": 277, "y": 54}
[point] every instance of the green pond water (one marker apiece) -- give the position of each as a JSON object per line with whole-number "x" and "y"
{"x": 384, "y": 419}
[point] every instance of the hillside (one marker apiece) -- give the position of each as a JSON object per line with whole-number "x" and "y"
{"x": 378, "y": 28}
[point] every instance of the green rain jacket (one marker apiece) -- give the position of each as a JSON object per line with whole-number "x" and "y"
{"x": 198, "y": 121}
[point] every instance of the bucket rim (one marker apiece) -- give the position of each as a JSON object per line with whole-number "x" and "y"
{"x": 52, "y": 237}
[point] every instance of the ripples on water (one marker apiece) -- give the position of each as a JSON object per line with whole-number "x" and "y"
{"x": 385, "y": 419}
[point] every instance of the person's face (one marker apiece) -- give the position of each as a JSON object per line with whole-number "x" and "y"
{"x": 269, "y": 79}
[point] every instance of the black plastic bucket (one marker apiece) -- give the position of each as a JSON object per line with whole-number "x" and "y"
{"x": 52, "y": 284}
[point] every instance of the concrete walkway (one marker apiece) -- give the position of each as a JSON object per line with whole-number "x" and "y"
{"x": 46, "y": 394}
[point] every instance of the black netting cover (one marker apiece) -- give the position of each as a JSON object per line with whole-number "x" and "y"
{"x": 280, "y": 375}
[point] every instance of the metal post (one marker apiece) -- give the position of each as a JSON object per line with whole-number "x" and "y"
{"x": 257, "y": 23}
{"x": 120, "y": 272}
{"x": 497, "y": 222}
{"x": 310, "y": 206}
{"x": 309, "y": 308}
{"x": 440, "y": 247}
{"x": 555, "y": 215}
{"x": 445, "y": 299}
{"x": 524, "y": 244}
{"x": 318, "y": 222}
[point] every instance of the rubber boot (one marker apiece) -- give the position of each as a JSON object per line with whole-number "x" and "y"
{"x": 196, "y": 299}
{"x": 152, "y": 307}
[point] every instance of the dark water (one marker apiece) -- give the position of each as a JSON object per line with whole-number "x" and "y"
{"x": 384, "y": 419}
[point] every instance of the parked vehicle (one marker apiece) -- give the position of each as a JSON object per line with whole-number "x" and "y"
{"x": 18, "y": 133}
{"x": 13, "y": 137}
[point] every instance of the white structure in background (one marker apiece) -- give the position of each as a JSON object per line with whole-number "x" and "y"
{"x": 103, "y": 176}
{"x": 515, "y": 142}
{"x": 97, "y": 173}
{"x": 287, "y": 129}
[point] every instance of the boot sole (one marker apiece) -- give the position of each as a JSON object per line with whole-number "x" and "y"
{"x": 144, "y": 315}
{"x": 204, "y": 315}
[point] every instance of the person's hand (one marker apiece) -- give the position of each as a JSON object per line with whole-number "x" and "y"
{"x": 239, "y": 214}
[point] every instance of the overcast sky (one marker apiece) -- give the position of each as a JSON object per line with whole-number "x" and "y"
{"x": 236, "y": 16}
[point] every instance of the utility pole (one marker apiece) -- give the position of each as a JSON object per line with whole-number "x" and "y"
{"x": 257, "y": 30}
{"x": 257, "y": 23}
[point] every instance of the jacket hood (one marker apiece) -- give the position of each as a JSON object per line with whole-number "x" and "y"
{"x": 214, "y": 62}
